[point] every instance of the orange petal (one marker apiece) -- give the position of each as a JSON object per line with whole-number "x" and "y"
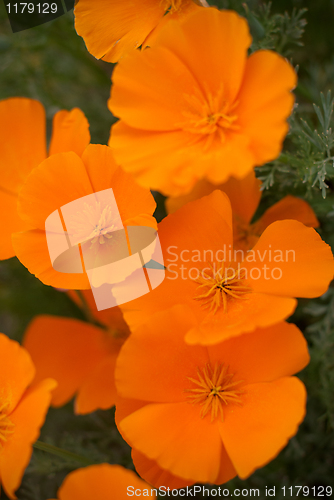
{"x": 132, "y": 200}
{"x": 65, "y": 349}
{"x": 101, "y": 482}
{"x": 187, "y": 7}
{"x": 299, "y": 263}
{"x": 244, "y": 195}
{"x": 111, "y": 29}
{"x": 113, "y": 317}
{"x": 255, "y": 432}
{"x": 28, "y": 417}
{"x": 137, "y": 102}
{"x": 70, "y": 132}
{"x": 17, "y": 372}
{"x": 201, "y": 226}
{"x": 281, "y": 348}
{"x": 58, "y": 180}
{"x": 98, "y": 390}
{"x": 10, "y": 222}
{"x": 32, "y": 250}
{"x": 208, "y": 62}
{"x": 23, "y": 140}
{"x": 265, "y": 102}
{"x": 170, "y": 162}
{"x": 201, "y": 188}
{"x": 243, "y": 316}
{"x": 138, "y": 360}
{"x": 227, "y": 470}
{"x": 154, "y": 474}
{"x": 288, "y": 207}
{"x": 177, "y": 438}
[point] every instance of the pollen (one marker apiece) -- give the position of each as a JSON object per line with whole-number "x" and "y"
{"x": 210, "y": 115}
{"x": 221, "y": 287}
{"x": 172, "y": 5}
{"x": 6, "y": 426}
{"x": 94, "y": 224}
{"x": 214, "y": 389}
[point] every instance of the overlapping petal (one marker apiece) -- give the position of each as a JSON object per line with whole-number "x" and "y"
{"x": 158, "y": 415}
{"x": 191, "y": 112}
{"x": 28, "y": 417}
{"x": 112, "y": 29}
{"x": 101, "y": 482}
{"x": 290, "y": 260}
{"x": 79, "y": 356}
{"x": 63, "y": 178}
{"x": 22, "y": 128}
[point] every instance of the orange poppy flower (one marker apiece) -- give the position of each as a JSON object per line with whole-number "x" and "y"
{"x": 114, "y": 28}
{"x": 22, "y": 411}
{"x": 195, "y": 106}
{"x": 103, "y": 482}
{"x": 231, "y": 291}
{"x": 205, "y": 414}
{"x": 79, "y": 356}
{"x": 245, "y": 196}
{"x": 23, "y": 147}
{"x": 63, "y": 178}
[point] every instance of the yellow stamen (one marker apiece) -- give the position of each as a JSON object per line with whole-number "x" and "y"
{"x": 6, "y": 426}
{"x": 172, "y": 5}
{"x": 221, "y": 286}
{"x": 214, "y": 388}
{"x": 94, "y": 224}
{"x": 210, "y": 115}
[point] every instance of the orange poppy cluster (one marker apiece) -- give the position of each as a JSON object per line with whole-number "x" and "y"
{"x": 200, "y": 368}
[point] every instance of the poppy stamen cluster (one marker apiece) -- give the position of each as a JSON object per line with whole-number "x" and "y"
{"x": 209, "y": 115}
{"x": 213, "y": 388}
{"x": 172, "y": 5}
{"x": 221, "y": 286}
{"x": 6, "y": 425}
{"x": 94, "y": 223}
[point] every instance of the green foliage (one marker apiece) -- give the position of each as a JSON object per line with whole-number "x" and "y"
{"x": 309, "y": 160}
{"x": 280, "y": 32}
{"x": 321, "y": 337}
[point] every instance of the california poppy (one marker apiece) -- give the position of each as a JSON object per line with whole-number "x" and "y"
{"x": 23, "y": 407}
{"x": 23, "y": 147}
{"x": 245, "y": 196}
{"x": 81, "y": 357}
{"x": 231, "y": 291}
{"x": 205, "y": 414}
{"x": 64, "y": 178}
{"x": 114, "y": 28}
{"x": 103, "y": 482}
{"x": 195, "y": 106}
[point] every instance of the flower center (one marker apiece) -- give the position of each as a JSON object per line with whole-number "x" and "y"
{"x": 214, "y": 389}
{"x": 6, "y": 426}
{"x": 172, "y": 5}
{"x": 209, "y": 115}
{"x": 94, "y": 223}
{"x": 221, "y": 286}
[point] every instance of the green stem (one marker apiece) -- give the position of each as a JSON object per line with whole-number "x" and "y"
{"x": 59, "y": 452}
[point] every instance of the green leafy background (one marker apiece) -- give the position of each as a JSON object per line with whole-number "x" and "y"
{"x": 51, "y": 63}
